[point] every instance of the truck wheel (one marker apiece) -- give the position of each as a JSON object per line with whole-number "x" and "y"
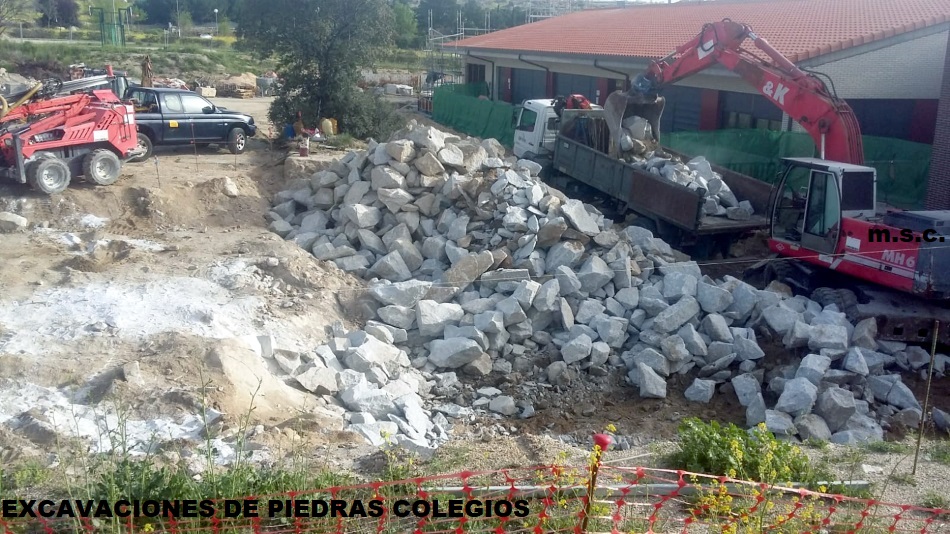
{"x": 49, "y": 175}
{"x": 705, "y": 249}
{"x": 646, "y": 223}
{"x": 102, "y": 167}
{"x": 237, "y": 141}
{"x": 143, "y": 142}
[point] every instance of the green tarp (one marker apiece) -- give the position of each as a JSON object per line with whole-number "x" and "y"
{"x": 902, "y": 166}
{"x": 460, "y": 108}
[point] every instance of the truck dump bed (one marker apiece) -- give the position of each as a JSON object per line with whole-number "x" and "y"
{"x": 646, "y": 193}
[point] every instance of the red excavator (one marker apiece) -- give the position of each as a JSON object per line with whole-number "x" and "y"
{"x": 830, "y": 241}
{"x": 48, "y": 136}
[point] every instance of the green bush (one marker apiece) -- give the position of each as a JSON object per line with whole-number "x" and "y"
{"x": 755, "y": 454}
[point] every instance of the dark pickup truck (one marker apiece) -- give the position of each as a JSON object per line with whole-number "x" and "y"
{"x": 181, "y": 117}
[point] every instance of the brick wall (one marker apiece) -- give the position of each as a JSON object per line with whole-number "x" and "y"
{"x": 909, "y": 69}
{"x": 938, "y": 187}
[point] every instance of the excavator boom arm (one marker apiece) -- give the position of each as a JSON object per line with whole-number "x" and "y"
{"x": 803, "y": 97}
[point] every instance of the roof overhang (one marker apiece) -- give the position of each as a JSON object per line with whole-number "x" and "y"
{"x": 627, "y": 64}
{"x": 875, "y": 45}
{"x": 636, "y": 64}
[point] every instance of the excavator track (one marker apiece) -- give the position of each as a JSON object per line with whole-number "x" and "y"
{"x": 899, "y": 316}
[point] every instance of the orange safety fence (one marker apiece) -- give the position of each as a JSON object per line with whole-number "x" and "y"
{"x": 591, "y": 499}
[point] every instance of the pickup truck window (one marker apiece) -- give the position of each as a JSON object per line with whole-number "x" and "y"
{"x": 194, "y": 104}
{"x": 171, "y": 103}
{"x": 145, "y": 101}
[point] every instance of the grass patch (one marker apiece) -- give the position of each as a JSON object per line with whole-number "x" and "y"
{"x": 904, "y": 479}
{"x": 342, "y": 141}
{"x": 932, "y": 499}
{"x": 886, "y": 447}
{"x": 186, "y": 61}
{"x": 940, "y": 452}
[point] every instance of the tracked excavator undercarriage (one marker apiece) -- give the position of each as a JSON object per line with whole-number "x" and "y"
{"x": 899, "y": 316}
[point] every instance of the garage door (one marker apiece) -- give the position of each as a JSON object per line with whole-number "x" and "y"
{"x": 527, "y": 84}
{"x": 683, "y": 109}
{"x": 569, "y": 84}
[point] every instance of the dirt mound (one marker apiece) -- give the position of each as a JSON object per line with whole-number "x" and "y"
{"x": 209, "y": 203}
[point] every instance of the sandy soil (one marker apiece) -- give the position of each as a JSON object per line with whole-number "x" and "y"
{"x": 152, "y": 295}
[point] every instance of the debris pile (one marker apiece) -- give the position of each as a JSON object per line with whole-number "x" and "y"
{"x": 475, "y": 267}
{"x": 242, "y": 86}
{"x": 171, "y": 83}
{"x": 639, "y": 149}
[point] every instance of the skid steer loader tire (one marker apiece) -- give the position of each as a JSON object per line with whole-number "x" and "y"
{"x": 143, "y": 142}
{"x": 102, "y": 167}
{"x": 50, "y": 176}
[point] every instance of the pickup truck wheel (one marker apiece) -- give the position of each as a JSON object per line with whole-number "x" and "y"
{"x": 143, "y": 142}
{"x": 237, "y": 141}
{"x": 49, "y": 175}
{"x": 102, "y": 167}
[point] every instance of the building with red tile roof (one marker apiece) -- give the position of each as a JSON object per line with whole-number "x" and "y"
{"x": 885, "y": 57}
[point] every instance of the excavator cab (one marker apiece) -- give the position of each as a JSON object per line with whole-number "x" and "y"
{"x": 815, "y": 196}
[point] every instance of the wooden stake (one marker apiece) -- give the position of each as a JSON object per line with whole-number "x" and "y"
{"x": 930, "y": 376}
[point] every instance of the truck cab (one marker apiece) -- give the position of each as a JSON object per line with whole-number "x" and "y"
{"x": 536, "y": 126}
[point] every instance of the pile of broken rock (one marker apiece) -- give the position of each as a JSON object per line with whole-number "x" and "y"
{"x": 474, "y": 266}
{"x": 640, "y": 150}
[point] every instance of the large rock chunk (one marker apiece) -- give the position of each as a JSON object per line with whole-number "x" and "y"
{"x": 890, "y": 389}
{"x": 700, "y": 390}
{"x": 672, "y": 318}
{"x": 461, "y": 275}
{"x": 406, "y": 293}
{"x": 432, "y": 317}
{"x": 836, "y": 406}
{"x": 565, "y": 253}
{"x": 577, "y": 349}
{"x": 387, "y": 178}
{"x": 594, "y": 274}
{"x": 391, "y": 267}
{"x": 453, "y": 353}
{"x": 652, "y": 385}
{"x": 580, "y": 218}
{"x": 798, "y": 397}
{"x": 11, "y": 222}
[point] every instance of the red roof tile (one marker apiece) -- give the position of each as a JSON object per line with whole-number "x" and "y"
{"x": 799, "y": 29}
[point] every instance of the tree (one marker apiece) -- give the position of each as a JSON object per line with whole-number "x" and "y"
{"x": 59, "y": 13}
{"x": 406, "y": 26}
{"x": 48, "y": 11}
{"x": 444, "y": 15}
{"x": 473, "y": 14}
{"x": 320, "y": 50}
{"x": 14, "y": 11}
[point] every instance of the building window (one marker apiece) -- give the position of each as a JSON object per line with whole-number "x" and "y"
{"x": 476, "y": 73}
{"x": 747, "y": 120}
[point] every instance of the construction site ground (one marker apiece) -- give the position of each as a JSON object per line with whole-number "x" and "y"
{"x": 165, "y": 268}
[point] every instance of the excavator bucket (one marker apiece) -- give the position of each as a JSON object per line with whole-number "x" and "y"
{"x": 621, "y": 105}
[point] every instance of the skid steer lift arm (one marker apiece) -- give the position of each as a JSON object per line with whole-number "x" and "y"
{"x": 804, "y": 97}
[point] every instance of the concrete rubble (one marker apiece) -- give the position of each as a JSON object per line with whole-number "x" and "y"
{"x": 474, "y": 266}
